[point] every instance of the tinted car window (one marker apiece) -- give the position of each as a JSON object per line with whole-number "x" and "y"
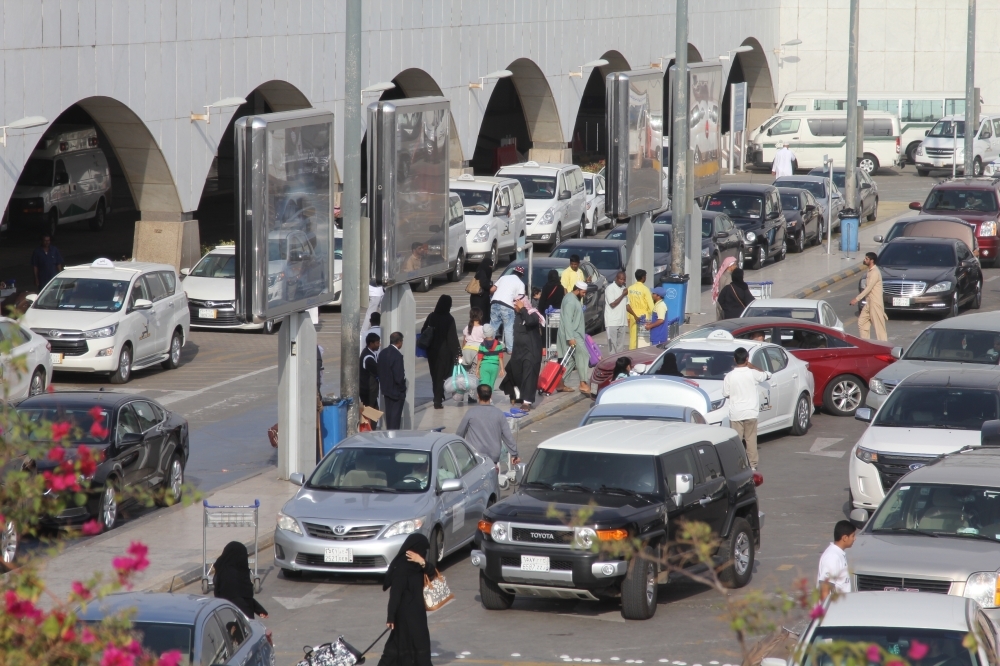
{"x": 681, "y": 461}
{"x": 734, "y": 456}
{"x": 790, "y": 201}
{"x": 236, "y": 627}
{"x": 466, "y": 463}
{"x": 147, "y": 415}
{"x": 446, "y": 467}
{"x": 127, "y": 422}
{"x": 817, "y": 189}
{"x": 779, "y": 361}
{"x": 974, "y": 200}
{"x": 737, "y": 205}
{"x": 602, "y": 257}
{"x": 154, "y": 286}
{"x": 214, "y": 648}
{"x": 801, "y": 338}
{"x": 935, "y": 255}
{"x": 216, "y": 266}
{"x": 169, "y": 281}
{"x": 159, "y": 638}
{"x": 711, "y": 467}
{"x": 938, "y": 407}
{"x": 83, "y": 294}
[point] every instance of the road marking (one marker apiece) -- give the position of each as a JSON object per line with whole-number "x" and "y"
{"x": 821, "y": 443}
{"x": 786, "y": 567}
{"x": 175, "y": 396}
{"x": 310, "y": 599}
{"x": 995, "y": 277}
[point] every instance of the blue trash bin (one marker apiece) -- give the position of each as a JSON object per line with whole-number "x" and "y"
{"x": 333, "y": 422}
{"x": 849, "y": 222}
{"x": 675, "y": 288}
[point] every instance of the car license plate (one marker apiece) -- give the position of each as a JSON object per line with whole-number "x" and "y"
{"x": 205, "y": 313}
{"x": 56, "y": 358}
{"x": 531, "y": 563}
{"x": 898, "y": 302}
{"x": 338, "y": 555}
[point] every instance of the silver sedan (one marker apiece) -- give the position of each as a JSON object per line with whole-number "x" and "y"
{"x": 371, "y": 491}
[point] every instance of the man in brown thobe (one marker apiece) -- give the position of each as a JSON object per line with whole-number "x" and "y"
{"x": 874, "y": 310}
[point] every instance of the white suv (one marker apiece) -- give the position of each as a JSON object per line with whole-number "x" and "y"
{"x": 494, "y": 215}
{"x": 937, "y": 150}
{"x": 112, "y": 318}
{"x": 555, "y": 199}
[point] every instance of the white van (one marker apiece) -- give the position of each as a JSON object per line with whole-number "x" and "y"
{"x": 813, "y": 134}
{"x": 937, "y": 150}
{"x": 456, "y": 246}
{"x": 555, "y": 199}
{"x": 65, "y": 180}
{"x": 495, "y": 215}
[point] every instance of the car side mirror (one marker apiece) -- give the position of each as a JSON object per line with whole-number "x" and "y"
{"x": 926, "y": 132}
{"x": 297, "y": 478}
{"x": 859, "y": 517}
{"x": 916, "y": 205}
{"x": 866, "y": 186}
{"x": 810, "y": 208}
{"x": 774, "y": 215}
{"x": 295, "y": 256}
{"x": 505, "y": 210}
{"x": 684, "y": 484}
{"x": 565, "y": 194}
{"x": 519, "y": 472}
{"x": 863, "y": 414}
{"x": 769, "y": 132}
{"x": 61, "y": 179}
{"x": 450, "y": 486}
{"x": 897, "y": 352}
{"x": 142, "y": 304}
{"x": 879, "y": 238}
{"x": 31, "y": 298}
{"x": 721, "y": 234}
{"x": 185, "y": 272}
{"x": 640, "y": 368}
{"x": 130, "y": 439}
{"x": 600, "y": 190}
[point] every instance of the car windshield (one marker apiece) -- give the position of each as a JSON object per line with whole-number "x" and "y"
{"x": 661, "y": 239}
{"x": 818, "y": 190}
{"x": 88, "y": 294}
{"x": 629, "y": 417}
{"x": 603, "y": 258}
{"x": 942, "y": 647}
{"x": 589, "y": 471}
{"x": 946, "y": 128}
{"x": 943, "y": 510}
{"x": 838, "y": 177}
{"x": 972, "y": 200}
{"x": 216, "y": 266}
{"x": 79, "y": 418}
{"x": 37, "y": 173}
{"x": 535, "y": 187}
{"x": 475, "y": 202}
{"x": 804, "y": 314}
{"x": 956, "y": 345}
{"x": 698, "y": 364}
{"x": 277, "y": 249}
{"x": 373, "y": 470}
{"x": 737, "y": 205}
{"x": 938, "y": 407}
{"x": 931, "y": 255}
{"x": 160, "y": 637}
{"x": 790, "y": 201}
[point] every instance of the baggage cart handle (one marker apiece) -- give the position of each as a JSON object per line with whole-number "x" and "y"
{"x": 255, "y": 505}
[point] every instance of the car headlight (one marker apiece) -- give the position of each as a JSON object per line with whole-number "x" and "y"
{"x": 289, "y": 524}
{"x": 984, "y": 588}
{"x": 548, "y": 216}
{"x": 988, "y": 228}
{"x": 499, "y": 532}
{"x": 920, "y": 149}
{"x": 659, "y": 269}
{"x": 585, "y": 537}
{"x": 274, "y": 279}
{"x": 705, "y": 251}
{"x": 865, "y": 455}
{"x": 717, "y": 404}
{"x": 404, "y": 527}
{"x": 875, "y": 385}
{"x": 103, "y": 332}
{"x": 939, "y": 287}
{"x": 482, "y": 235}
{"x": 751, "y": 236}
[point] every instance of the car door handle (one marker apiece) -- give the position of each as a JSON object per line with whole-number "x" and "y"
{"x": 795, "y": 376}
{"x": 774, "y": 384}
{"x": 705, "y": 501}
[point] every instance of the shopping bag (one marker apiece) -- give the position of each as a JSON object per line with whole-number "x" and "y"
{"x": 594, "y": 350}
{"x": 460, "y": 382}
{"x": 436, "y": 592}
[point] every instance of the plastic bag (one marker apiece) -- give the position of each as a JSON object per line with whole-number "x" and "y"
{"x": 461, "y": 382}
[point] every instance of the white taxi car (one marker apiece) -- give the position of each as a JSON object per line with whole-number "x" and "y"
{"x": 112, "y": 318}
{"x": 25, "y": 362}
{"x": 211, "y": 292}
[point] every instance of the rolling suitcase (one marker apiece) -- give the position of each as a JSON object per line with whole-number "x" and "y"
{"x": 553, "y": 373}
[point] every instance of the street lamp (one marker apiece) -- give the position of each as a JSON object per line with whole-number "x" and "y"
{"x": 222, "y": 103}
{"x": 23, "y": 123}
{"x": 738, "y": 49}
{"x": 601, "y": 62}
{"x": 781, "y": 49}
{"x": 658, "y": 63}
{"x": 379, "y": 87}
{"x": 499, "y": 74}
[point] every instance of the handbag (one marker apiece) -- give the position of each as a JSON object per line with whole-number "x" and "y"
{"x": 460, "y": 382}
{"x": 338, "y": 653}
{"x": 436, "y": 592}
{"x": 474, "y": 287}
{"x": 593, "y": 350}
{"x": 426, "y": 337}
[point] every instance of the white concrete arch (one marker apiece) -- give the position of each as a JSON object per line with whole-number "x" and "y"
{"x": 415, "y": 82}
{"x": 760, "y": 84}
{"x": 539, "y": 107}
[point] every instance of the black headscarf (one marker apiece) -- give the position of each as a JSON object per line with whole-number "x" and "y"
{"x": 552, "y": 292}
{"x": 232, "y": 579}
{"x": 400, "y": 566}
{"x": 485, "y": 274}
{"x": 443, "y": 305}
{"x": 738, "y": 278}
{"x": 669, "y": 367}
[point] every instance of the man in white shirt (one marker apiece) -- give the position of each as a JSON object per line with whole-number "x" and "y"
{"x": 740, "y": 386}
{"x": 833, "y": 574}
{"x": 616, "y": 315}
{"x": 784, "y": 158}
{"x": 505, "y": 290}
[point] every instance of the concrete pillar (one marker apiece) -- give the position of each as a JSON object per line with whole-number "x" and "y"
{"x": 550, "y": 153}
{"x": 296, "y": 395}
{"x": 639, "y": 248}
{"x": 167, "y": 238}
{"x": 399, "y": 313}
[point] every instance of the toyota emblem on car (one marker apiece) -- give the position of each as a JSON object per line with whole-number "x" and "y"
{"x": 340, "y": 530}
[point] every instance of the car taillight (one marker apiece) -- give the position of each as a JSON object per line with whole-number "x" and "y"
{"x": 758, "y": 478}
{"x": 885, "y": 358}
{"x": 897, "y": 145}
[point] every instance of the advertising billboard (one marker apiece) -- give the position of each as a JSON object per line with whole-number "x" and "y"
{"x": 285, "y": 228}
{"x": 408, "y": 188}
{"x": 635, "y": 142}
{"x": 705, "y": 98}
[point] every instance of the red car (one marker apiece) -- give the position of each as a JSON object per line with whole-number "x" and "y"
{"x": 975, "y": 200}
{"x": 841, "y": 364}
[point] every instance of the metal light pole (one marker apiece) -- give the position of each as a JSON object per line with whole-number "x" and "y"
{"x": 350, "y": 311}
{"x": 971, "y": 119}
{"x": 679, "y": 141}
{"x": 850, "y": 184}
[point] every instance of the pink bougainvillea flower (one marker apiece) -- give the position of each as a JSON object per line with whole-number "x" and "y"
{"x": 918, "y": 650}
{"x": 91, "y": 528}
{"x": 60, "y": 429}
{"x": 21, "y": 609}
{"x": 96, "y": 413}
{"x": 817, "y": 612}
{"x": 98, "y": 431}
{"x": 127, "y": 566}
{"x": 114, "y": 656}
{"x": 874, "y": 654}
{"x": 80, "y": 590}
{"x": 57, "y": 453}
{"x": 87, "y": 637}
{"x": 172, "y": 658}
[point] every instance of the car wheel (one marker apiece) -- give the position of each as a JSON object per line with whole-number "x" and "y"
{"x": 8, "y": 544}
{"x": 174, "y": 354}
{"x": 97, "y": 222}
{"x": 784, "y": 250}
{"x": 494, "y": 255}
{"x": 173, "y": 482}
{"x": 459, "y": 270}
{"x": 739, "y": 258}
{"x": 491, "y": 596}
{"x": 953, "y": 308}
{"x": 844, "y": 394}
{"x": 977, "y": 167}
{"x": 761, "y": 257}
{"x": 107, "y": 505}
{"x": 424, "y": 284}
{"x": 802, "y": 415}
{"x": 582, "y": 231}
{"x": 436, "y": 552}
{"x": 800, "y": 241}
{"x": 53, "y": 224}
{"x": 269, "y": 327}
{"x": 557, "y": 236}
{"x": 715, "y": 265}
{"x": 923, "y": 172}
{"x": 821, "y": 232}
{"x": 872, "y": 215}
{"x": 124, "y": 371}
{"x": 977, "y": 299}
{"x": 639, "y": 587}
{"x": 37, "y": 385}
{"x": 868, "y": 163}
{"x": 738, "y": 550}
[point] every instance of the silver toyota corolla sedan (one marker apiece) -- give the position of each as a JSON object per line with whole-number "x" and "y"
{"x": 372, "y": 490}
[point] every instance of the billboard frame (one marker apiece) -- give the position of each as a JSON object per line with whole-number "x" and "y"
{"x": 624, "y": 195}
{"x": 706, "y": 184}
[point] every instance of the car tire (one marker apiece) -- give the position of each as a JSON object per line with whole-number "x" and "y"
{"x": 923, "y": 172}
{"x": 872, "y": 215}
{"x": 977, "y": 167}
{"x": 97, "y": 222}
{"x": 760, "y": 257}
{"x": 844, "y": 394}
{"x": 800, "y": 242}
{"x": 491, "y": 596}
{"x": 269, "y": 327}
{"x": 714, "y": 266}
{"x": 802, "y": 416}
{"x": 436, "y": 552}
{"x": 105, "y": 509}
{"x": 582, "y": 231}
{"x": 291, "y": 574}
{"x": 459, "y": 271}
{"x": 953, "y": 308}
{"x": 174, "y": 351}
{"x": 820, "y": 232}
{"x": 977, "y": 298}
{"x": 424, "y": 285}
{"x": 173, "y": 482}
{"x": 37, "y": 384}
{"x": 494, "y": 255}
{"x": 740, "y": 257}
{"x": 557, "y": 236}
{"x": 869, "y": 164}
{"x": 738, "y": 549}
{"x": 783, "y": 252}
{"x": 124, "y": 371}
{"x": 639, "y": 588}
{"x": 8, "y": 544}
{"x": 911, "y": 152}
{"x": 53, "y": 223}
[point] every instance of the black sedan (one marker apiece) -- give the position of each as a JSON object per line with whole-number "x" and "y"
{"x": 606, "y": 254}
{"x": 937, "y": 275}
{"x": 720, "y": 239}
{"x": 596, "y": 284}
{"x": 803, "y": 216}
{"x": 137, "y": 443}
{"x": 756, "y": 210}
{"x": 661, "y": 249}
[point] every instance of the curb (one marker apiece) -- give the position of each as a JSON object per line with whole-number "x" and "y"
{"x": 827, "y": 281}
{"x": 556, "y": 407}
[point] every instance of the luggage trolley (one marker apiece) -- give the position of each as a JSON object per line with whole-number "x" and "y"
{"x": 551, "y": 326}
{"x": 229, "y": 516}
{"x": 505, "y": 469}
{"x": 760, "y": 289}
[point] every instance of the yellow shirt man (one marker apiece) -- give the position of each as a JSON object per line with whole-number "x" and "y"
{"x": 571, "y": 275}
{"x": 640, "y": 302}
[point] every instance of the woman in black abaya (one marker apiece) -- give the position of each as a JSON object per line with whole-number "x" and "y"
{"x": 409, "y": 641}
{"x": 482, "y": 300}
{"x": 232, "y": 579}
{"x": 444, "y": 350}
{"x": 521, "y": 380}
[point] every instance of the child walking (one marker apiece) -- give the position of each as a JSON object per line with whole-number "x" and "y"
{"x": 490, "y": 357}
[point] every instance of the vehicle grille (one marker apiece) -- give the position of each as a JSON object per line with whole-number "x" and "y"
{"x": 225, "y": 315}
{"x": 939, "y": 152}
{"x": 352, "y": 534}
{"x": 890, "y": 468}
{"x": 69, "y": 347}
{"x": 530, "y": 218}
{"x": 368, "y": 562}
{"x": 555, "y": 565}
{"x": 553, "y": 537}
{"x": 868, "y": 583}
{"x": 903, "y": 287}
